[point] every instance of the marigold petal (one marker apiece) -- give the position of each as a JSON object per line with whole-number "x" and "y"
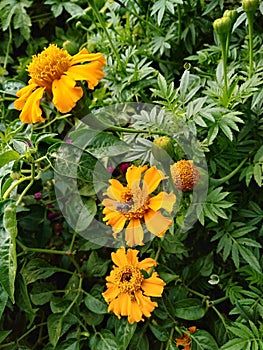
{"x": 152, "y": 178}
{"x": 156, "y": 223}
{"x": 124, "y": 300}
{"x": 146, "y": 305}
{"x": 114, "y": 306}
{"x": 111, "y": 293}
{"x": 132, "y": 256}
{"x": 134, "y": 312}
{"x": 162, "y": 200}
{"x": 31, "y": 112}
{"x": 134, "y": 173}
{"x": 23, "y": 95}
{"x": 116, "y": 220}
{"x": 134, "y": 233}
{"x": 91, "y": 72}
{"x": 146, "y": 264}
{"x": 65, "y": 93}
{"x": 115, "y": 190}
{"x": 153, "y": 286}
{"x": 85, "y": 56}
{"x": 119, "y": 258}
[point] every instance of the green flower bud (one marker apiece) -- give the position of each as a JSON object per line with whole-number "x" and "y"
{"x": 161, "y": 144}
{"x": 250, "y": 5}
{"x": 15, "y": 175}
{"x": 222, "y": 25}
{"x": 71, "y": 47}
{"x": 232, "y": 14}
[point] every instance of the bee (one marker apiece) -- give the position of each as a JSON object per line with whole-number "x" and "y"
{"x": 124, "y": 207}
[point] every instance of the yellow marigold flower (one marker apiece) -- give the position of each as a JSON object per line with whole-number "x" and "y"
{"x": 185, "y": 342}
{"x": 185, "y": 175}
{"x": 133, "y": 203}
{"x": 55, "y": 72}
{"x": 128, "y": 291}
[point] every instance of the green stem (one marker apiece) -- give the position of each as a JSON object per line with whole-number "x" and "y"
{"x": 75, "y": 299}
{"x": 14, "y": 184}
{"x": 134, "y": 131}
{"x": 42, "y": 250}
{"x": 23, "y": 336}
{"x": 170, "y": 341}
{"x": 179, "y": 23}
{"x": 250, "y": 19}
{"x": 223, "y": 42}
{"x": 227, "y": 177}
{"x": 98, "y": 15}
{"x": 33, "y": 171}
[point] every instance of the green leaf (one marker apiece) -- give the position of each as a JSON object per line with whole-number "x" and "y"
{"x": 8, "y": 156}
{"x": 95, "y": 266}
{"x": 257, "y": 172}
{"x": 54, "y": 326}
{"x": 103, "y": 340}
{"x": 189, "y": 309}
{"x": 124, "y": 332}
{"x": 4, "y": 334}
{"x": 160, "y": 334}
{"x": 95, "y": 305}
{"x": 8, "y": 260}
{"x": 202, "y": 340}
{"x": 37, "y": 269}
{"x": 250, "y": 258}
{"x": 41, "y": 293}
{"x": 258, "y": 158}
{"x": 139, "y": 341}
{"x": 3, "y": 300}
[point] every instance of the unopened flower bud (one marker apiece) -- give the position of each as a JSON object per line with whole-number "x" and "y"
{"x": 165, "y": 143}
{"x": 250, "y": 5}
{"x": 15, "y": 175}
{"x": 222, "y": 25}
{"x": 185, "y": 175}
{"x": 71, "y": 47}
{"x": 232, "y": 14}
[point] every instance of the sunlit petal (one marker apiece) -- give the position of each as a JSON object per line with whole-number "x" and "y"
{"x": 153, "y": 286}
{"x": 134, "y": 174}
{"x": 156, "y": 223}
{"x": 119, "y": 258}
{"x": 162, "y": 200}
{"x": 134, "y": 233}
{"x": 65, "y": 94}
{"x": 85, "y": 56}
{"x": 31, "y": 112}
{"x": 91, "y": 72}
{"x": 152, "y": 178}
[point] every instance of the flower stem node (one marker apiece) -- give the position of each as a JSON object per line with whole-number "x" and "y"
{"x": 222, "y": 25}
{"x": 250, "y": 5}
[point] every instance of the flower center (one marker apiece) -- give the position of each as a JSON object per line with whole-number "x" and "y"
{"x": 128, "y": 278}
{"x": 48, "y": 66}
{"x": 136, "y": 202}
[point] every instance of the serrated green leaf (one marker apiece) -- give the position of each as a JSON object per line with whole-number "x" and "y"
{"x": 8, "y": 259}
{"x": 257, "y": 172}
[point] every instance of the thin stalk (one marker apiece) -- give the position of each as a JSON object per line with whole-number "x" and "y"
{"x": 14, "y": 185}
{"x": 42, "y": 250}
{"x": 250, "y": 20}
{"x": 179, "y": 23}
{"x": 227, "y": 177}
{"x": 223, "y": 43}
{"x": 33, "y": 172}
{"x": 98, "y": 15}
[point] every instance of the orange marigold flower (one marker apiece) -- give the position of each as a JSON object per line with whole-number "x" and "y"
{"x": 55, "y": 72}
{"x": 128, "y": 291}
{"x": 185, "y": 175}
{"x": 133, "y": 203}
{"x": 185, "y": 341}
